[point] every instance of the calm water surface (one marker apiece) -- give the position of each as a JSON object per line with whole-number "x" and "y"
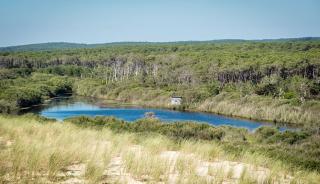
{"x": 65, "y": 107}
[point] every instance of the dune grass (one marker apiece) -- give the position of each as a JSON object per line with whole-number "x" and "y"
{"x": 35, "y": 151}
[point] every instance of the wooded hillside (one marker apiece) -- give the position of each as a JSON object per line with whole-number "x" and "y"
{"x": 283, "y": 72}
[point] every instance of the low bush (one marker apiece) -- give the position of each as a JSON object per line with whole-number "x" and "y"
{"x": 289, "y": 137}
{"x": 178, "y": 130}
{"x": 266, "y": 132}
{"x": 7, "y": 106}
{"x": 273, "y": 135}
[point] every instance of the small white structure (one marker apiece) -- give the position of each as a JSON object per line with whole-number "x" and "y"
{"x": 176, "y": 100}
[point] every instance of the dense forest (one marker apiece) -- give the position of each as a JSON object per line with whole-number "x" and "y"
{"x": 275, "y": 80}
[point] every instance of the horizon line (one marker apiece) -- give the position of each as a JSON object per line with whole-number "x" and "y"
{"x": 176, "y": 41}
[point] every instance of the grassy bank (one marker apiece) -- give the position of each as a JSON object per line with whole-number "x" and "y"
{"x": 280, "y": 111}
{"x": 35, "y": 150}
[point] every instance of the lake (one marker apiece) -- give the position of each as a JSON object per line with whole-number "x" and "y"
{"x": 65, "y": 107}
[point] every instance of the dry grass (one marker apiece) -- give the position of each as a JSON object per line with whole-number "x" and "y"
{"x": 33, "y": 152}
{"x": 261, "y": 108}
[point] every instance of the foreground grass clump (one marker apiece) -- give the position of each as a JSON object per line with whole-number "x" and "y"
{"x": 49, "y": 148}
{"x": 36, "y": 150}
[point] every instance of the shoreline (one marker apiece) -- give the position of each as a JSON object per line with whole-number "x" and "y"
{"x": 276, "y": 124}
{"x": 141, "y": 105}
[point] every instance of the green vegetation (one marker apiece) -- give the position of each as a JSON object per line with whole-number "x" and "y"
{"x": 266, "y": 80}
{"x": 105, "y": 150}
{"x": 25, "y": 92}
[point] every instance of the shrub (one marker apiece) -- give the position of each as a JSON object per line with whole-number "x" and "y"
{"x": 289, "y": 137}
{"x": 178, "y": 130}
{"x": 315, "y": 88}
{"x": 214, "y": 88}
{"x": 269, "y": 86}
{"x": 146, "y": 125}
{"x": 7, "y": 106}
{"x": 300, "y": 86}
{"x": 266, "y": 132}
{"x": 97, "y": 122}
{"x": 268, "y": 89}
{"x": 290, "y": 95}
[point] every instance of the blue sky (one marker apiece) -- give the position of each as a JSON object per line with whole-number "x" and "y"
{"x": 99, "y": 21}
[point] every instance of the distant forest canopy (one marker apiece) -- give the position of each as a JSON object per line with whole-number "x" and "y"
{"x": 66, "y": 45}
{"x": 281, "y": 69}
{"x": 192, "y": 62}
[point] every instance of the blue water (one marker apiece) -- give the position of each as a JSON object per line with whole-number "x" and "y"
{"x": 64, "y": 108}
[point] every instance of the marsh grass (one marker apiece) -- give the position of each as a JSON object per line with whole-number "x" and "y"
{"x": 261, "y": 108}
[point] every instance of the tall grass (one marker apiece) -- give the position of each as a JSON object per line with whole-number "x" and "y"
{"x": 35, "y": 152}
{"x": 49, "y": 148}
{"x": 262, "y": 108}
{"x": 144, "y": 165}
